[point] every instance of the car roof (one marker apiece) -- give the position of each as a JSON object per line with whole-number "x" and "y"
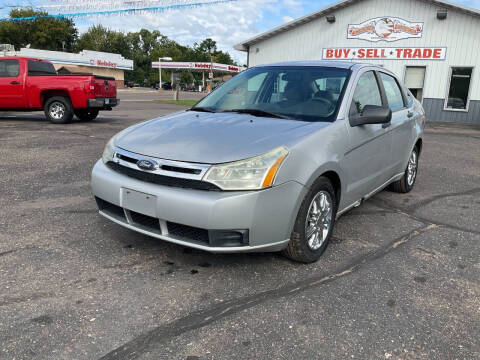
{"x": 329, "y": 63}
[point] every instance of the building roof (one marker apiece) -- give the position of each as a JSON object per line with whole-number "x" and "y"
{"x": 83, "y": 58}
{"x": 243, "y": 46}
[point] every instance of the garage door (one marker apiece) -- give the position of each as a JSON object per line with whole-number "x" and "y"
{"x": 415, "y": 77}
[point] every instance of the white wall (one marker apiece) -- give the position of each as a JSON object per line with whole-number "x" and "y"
{"x": 459, "y": 33}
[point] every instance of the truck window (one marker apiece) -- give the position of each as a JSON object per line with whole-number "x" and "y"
{"x": 40, "y": 68}
{"x": 9, "y": 68}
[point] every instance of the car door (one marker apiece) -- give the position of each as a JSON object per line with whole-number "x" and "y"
{"x": 401, "y": 126}
{"x": 369, "y": 145}
{"x": 11, "y": 85}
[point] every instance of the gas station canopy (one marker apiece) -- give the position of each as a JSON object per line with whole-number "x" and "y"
{"x": 197, "y": 66}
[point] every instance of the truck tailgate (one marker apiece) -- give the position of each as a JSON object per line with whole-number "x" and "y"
{"x": 105, "y": 87}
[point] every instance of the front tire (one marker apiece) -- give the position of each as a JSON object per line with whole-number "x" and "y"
{"x": 406, "y": 183}
{"x": 86, "y": 114}
{"x": 58, "y": 110}
{"x": 314, "y": 224}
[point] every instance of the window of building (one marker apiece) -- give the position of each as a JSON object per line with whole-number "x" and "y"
{"x": 414, "y": 80}
{"x": 459, "y": 87}
{"x": 366, "y": 93}
{"x": 40, "y": 68}
{"x": 9, "y": 68}
{"x": 393, "y": 92}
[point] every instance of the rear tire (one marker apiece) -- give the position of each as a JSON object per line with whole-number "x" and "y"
{"x": 314, "y": 224}
{"x": 407, "y": 182}
{"x": 86, "y": 114}
{"x": 58, "y": 110}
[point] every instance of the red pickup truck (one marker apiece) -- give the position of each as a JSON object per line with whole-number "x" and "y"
{"x": 28, "y": 84}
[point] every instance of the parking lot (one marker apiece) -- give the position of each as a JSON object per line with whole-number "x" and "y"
{"x": 400, "y": 280}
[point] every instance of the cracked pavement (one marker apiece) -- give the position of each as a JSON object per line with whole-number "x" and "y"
{"x": 400, "y": 279}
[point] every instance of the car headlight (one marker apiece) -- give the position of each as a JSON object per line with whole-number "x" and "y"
{"x": 109, "y": 151}
{"x": 251, "y": 174}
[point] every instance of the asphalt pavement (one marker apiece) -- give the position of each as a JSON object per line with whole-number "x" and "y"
{"x": 400, "y": 279}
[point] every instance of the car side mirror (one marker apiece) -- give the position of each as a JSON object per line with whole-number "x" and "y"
{"x": 372, "y": 114}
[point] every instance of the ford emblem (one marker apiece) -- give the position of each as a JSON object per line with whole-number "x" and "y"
{"x": 148, "y": 165}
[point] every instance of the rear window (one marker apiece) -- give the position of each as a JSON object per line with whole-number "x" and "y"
{"x": 39, "y": 68}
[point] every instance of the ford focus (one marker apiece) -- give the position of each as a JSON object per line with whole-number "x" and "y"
{"x": 266, "y": 162}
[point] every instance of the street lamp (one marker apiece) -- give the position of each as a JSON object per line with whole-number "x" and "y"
{"x": 160, "y": 70}
{"x": 211, "y": 71}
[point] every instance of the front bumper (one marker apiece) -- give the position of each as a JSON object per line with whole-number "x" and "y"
{"x": 266, "y": 217}
{"x": 102, "y": 103}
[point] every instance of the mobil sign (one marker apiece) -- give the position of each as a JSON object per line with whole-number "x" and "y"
{"x": 385, "y": 53}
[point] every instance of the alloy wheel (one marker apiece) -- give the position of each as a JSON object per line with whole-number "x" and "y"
{"x": 319, "y": 220}
{"x": 57, "y": 110}
{"x": 412, "y": 168}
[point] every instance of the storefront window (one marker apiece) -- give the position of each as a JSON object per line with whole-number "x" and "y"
{"x": 459, "y": 88}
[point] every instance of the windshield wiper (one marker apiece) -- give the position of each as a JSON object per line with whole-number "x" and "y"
{"x": 202, "y": 109}
{"x": 258, "y": 112}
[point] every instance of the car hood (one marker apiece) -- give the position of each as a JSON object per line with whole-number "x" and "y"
{"x": 211, "y": 137}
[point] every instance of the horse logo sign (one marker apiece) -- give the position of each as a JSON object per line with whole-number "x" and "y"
{"x": 385, "y": 29}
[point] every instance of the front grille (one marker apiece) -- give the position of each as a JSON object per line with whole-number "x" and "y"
{"x": 185, "y": 232}
{"x": 213, "y": 238}
{"x": 109, "y": 208}
{"x": 161, "y": 179}
{"x": 181, "y": 169}
{"x": 149, "y": 222}
{"x": 127, "y": 158}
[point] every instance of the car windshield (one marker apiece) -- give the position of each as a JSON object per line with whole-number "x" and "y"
{"x": 295, "y": 92}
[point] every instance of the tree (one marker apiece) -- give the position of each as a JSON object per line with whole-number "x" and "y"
{"x": 224, "y": 58}
{"x": 208, "y": 46}
{"x": 40, "y": 33}
{"x": 186, "y": 77}
{"x": 99, "y": 38}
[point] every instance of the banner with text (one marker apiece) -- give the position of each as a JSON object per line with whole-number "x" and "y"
{"x": 385, "y": 53}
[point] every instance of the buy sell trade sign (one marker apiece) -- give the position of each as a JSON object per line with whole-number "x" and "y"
{"x": 385, "y": 53}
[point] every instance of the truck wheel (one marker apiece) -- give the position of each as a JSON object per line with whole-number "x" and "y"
{"x": 86, "y": 114}
{"x": 406, "y": 183}
{"x": 314, "y": 224}
{"x": 58, "y": 110}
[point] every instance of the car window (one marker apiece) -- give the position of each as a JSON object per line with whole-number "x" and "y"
{"x": 9, "y": 68}
{"x": 393, "y": 92}
{"x": 296, "y": 92}
{"x": 366, "y": 93}
{"x": 40, "y": 68}
{"x": 409, "y": 98}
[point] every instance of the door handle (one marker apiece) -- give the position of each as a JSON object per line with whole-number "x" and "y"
{"x": 15, "y": 82}
{"x": 410, "y": 114}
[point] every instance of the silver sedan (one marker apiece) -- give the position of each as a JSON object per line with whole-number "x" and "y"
{"x": 266, "y": 162}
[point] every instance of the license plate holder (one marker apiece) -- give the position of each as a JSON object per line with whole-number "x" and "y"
{"x": 140, "y": 202}
{"x": 107, "y": 101}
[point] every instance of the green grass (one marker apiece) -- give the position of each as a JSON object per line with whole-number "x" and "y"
{"x": 180, "y": 102}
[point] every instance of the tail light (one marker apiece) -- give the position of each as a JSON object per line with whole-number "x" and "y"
{"x": 89, "y": 87}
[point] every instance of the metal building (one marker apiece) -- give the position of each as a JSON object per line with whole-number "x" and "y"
{"x": 434, "y": 45}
